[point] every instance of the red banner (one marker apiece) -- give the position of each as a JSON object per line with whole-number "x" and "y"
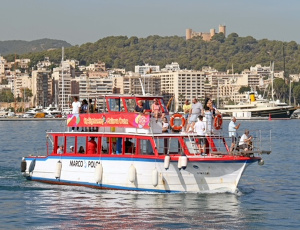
{"x": 128, "y": 120}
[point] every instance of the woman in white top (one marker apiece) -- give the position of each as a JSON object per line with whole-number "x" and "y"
{"x": 165, "y": 125}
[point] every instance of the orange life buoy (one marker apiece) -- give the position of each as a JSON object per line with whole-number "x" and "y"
{"x": 218, "y": 121}
{"x": 179, "y": 127}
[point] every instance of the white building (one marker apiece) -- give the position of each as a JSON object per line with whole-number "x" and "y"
{"x": 146, "y": 69}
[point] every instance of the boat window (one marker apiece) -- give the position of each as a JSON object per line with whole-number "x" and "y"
{"x": 60, "y": 148}
{"x": 116, "y": 104}
{"x": 92, "y": 145}
{"x": 81, "y": 145}
{"x": 119, "y": 145}
{"x": 175, "y": 146}
{"x": 109, "y": 145}
{"x": 70, "y": 145}
{"x": 162, "y": 145}
{"x": 104, "y": 145}
{"x": 168, "y": 145}
{"x": 130, "y": 144}
{"x": 130, "y": 104}
{"x": 146, "y": 147}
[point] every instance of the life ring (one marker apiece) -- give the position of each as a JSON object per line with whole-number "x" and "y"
{"x": 179, "y": 127}
{"x": 218, "y": 122}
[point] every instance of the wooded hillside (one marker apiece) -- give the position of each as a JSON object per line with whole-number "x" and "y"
{"x": 220, "y": 53}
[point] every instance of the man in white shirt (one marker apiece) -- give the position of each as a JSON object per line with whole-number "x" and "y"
{"x": 75, "y": 108}
{"x": 232, "y": 128}
{"x": 245, "y": 141}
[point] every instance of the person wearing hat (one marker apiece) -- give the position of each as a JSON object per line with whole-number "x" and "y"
{"x": 71, "y": 149}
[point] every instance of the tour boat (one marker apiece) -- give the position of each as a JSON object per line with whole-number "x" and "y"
{"x": 124, "y": 150}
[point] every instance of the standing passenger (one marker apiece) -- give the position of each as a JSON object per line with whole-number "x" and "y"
{"x": 208, "y": 109}
{"x": 186, "y": 109}
{"x": 200, "y": 128}
{"x": 232, "y": 129}
{"x": 75, "y": 108}
{"x": 195, "y": 111}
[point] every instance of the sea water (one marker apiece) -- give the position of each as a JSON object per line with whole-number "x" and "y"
{"x": 268, "y": 196}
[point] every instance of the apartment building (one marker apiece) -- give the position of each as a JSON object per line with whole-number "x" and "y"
{"x": 42, "y": 88}
{"x": 146, "y": 69}
{"x": 93, "y": 86}
{"x": 62, "y": 86}
{"x": 20, "y": 83}
{"x": 183, "y": 84}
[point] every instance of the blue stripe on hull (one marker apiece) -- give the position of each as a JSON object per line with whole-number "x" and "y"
{"x": 95, "y": 185}
{"x": 140, "y": 159}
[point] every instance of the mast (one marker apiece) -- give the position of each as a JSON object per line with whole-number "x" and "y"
{"x": 62, "y": 78}
{"x": 272, "y": 81}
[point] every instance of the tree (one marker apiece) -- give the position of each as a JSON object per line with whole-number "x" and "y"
{"x": 6, "y": 95}
{"x": 296, "y": 94}
{"x": 244, "y": 89}
{"x": 280, "y": 89}
{"x": 27, "y": 93}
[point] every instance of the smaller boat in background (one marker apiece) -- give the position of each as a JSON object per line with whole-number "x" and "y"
{"x": 32, "y": 112}
{"x": 257, "y": 107}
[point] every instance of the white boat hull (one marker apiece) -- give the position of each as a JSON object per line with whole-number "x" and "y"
{"x": 199, "y": 175}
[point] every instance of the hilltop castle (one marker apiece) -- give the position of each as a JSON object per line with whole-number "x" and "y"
{"x": 206, "y": 36}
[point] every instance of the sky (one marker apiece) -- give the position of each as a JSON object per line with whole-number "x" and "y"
{"x": 82, "y": 21}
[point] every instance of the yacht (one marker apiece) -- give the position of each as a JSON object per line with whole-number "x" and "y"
{"x": 32, "y": 112}
{"x": 51, "y": 111}
{"x": 258, "y": 107}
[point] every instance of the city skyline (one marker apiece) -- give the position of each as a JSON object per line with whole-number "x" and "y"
{"x": 79, "y": 22}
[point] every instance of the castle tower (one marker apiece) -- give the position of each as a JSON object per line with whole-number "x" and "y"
{"x": 222, "y": 29}
{"x": 212, "y": 32}
{"x": 188, "y": 34}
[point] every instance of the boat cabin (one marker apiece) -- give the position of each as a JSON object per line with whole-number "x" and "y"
{"x": 117, "y": 144}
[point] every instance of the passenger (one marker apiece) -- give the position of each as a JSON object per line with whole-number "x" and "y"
{"x": 91, "y": 106}
{"x": 75, "y": 108}
{"x": 245, "y": 141}
{"x": 84, "y": 109}
{"x": 156, "y": 110}
{"x": 200, "y": 128}
{"x": 165, "y": 125}
{"x": 232, "y": 129}
{"x": 128, "y": 145}
{"x": 195, "y": 111}
{"x": 139, "y": 108}
{"x": 60, "y": 149}
{"x": 209, "y": 115}
{"x": 91, "y": 146}
{"x": 81, "y": 149}
{"x": 71, "y": 149}
{"x": 91, "y": 110}
{"x": 186, "y": 109}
